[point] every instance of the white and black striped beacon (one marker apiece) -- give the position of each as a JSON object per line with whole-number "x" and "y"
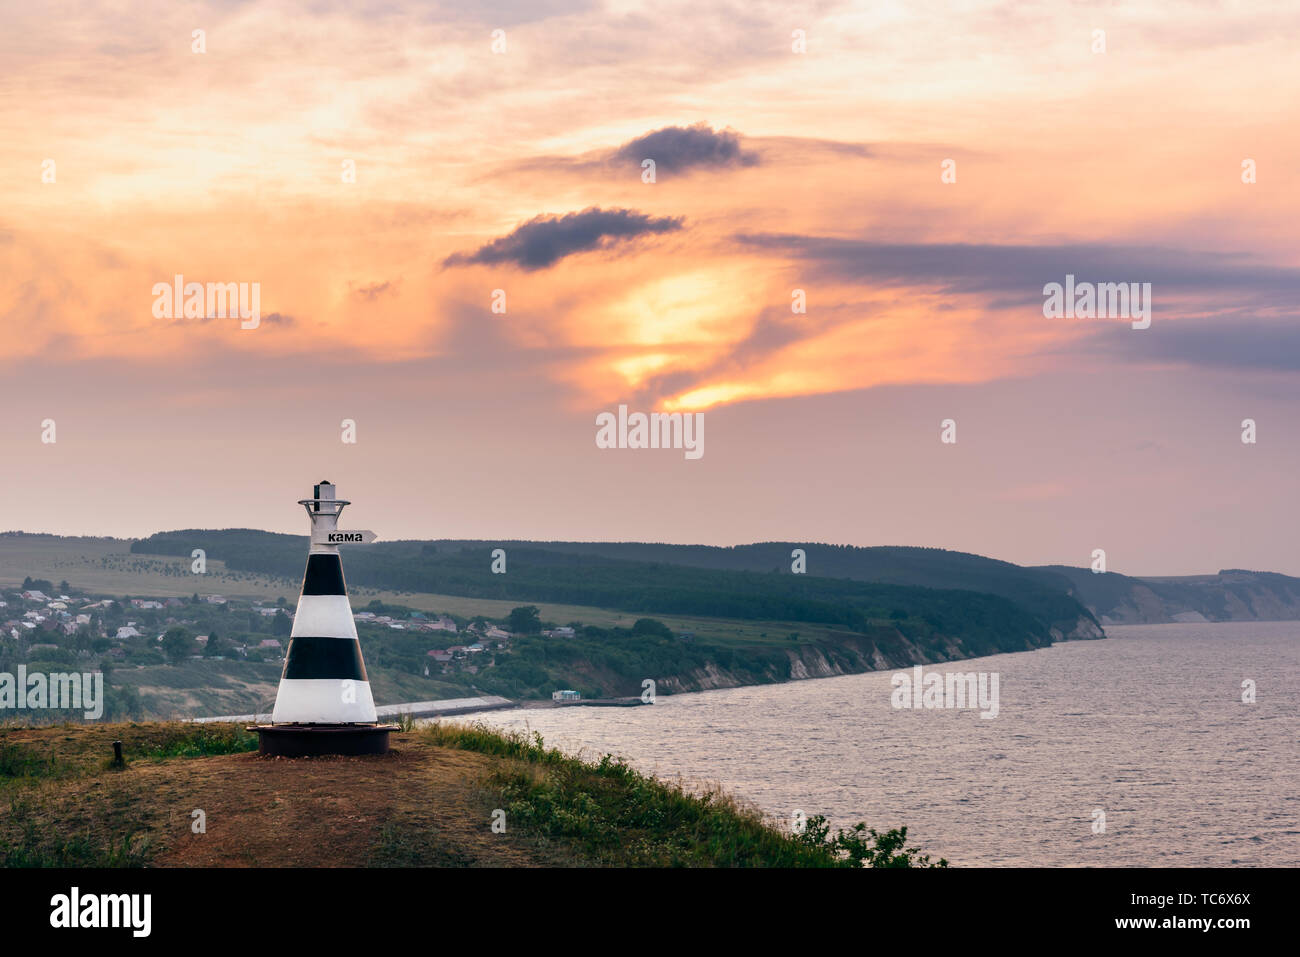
{"x": 324, "y": 705}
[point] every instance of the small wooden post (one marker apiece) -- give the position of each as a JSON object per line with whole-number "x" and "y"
{"x": 117, "y": 754}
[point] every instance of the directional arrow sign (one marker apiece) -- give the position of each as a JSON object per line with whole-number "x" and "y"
{"x": 363, "y": 537}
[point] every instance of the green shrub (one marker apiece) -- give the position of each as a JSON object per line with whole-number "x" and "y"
{"x": 861, "y": 846}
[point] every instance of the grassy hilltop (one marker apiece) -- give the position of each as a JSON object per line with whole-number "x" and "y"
{"x": 430, "y": 802}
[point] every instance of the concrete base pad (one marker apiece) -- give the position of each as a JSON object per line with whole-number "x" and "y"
{"x": 314, "y": 740}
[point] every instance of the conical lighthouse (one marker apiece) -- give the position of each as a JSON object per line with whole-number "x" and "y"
{"x": 324, "y": 705}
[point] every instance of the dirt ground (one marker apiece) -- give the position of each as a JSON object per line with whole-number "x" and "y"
{"x": 419, "y": 805}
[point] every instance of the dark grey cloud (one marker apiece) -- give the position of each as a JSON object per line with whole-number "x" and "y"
{"x": 545, "y": 240}
{"x": 677, "y": 149}
{"x": 1017, "y": 273}
{"x": 1239, "y": 343}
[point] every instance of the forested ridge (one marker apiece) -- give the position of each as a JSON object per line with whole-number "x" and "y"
{"x": 559, "y": 573}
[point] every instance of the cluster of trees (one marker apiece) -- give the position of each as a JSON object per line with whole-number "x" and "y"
{"x": 45, "y": 586}
{"x": 180, "y": 643}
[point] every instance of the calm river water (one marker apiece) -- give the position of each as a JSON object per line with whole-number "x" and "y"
{"x": 1148, "y": 726}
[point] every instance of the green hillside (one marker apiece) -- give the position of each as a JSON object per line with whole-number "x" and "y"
{"x": 845, "y": 586}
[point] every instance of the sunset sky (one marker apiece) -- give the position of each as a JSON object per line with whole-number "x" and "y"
{"x": 775, "y": 170}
